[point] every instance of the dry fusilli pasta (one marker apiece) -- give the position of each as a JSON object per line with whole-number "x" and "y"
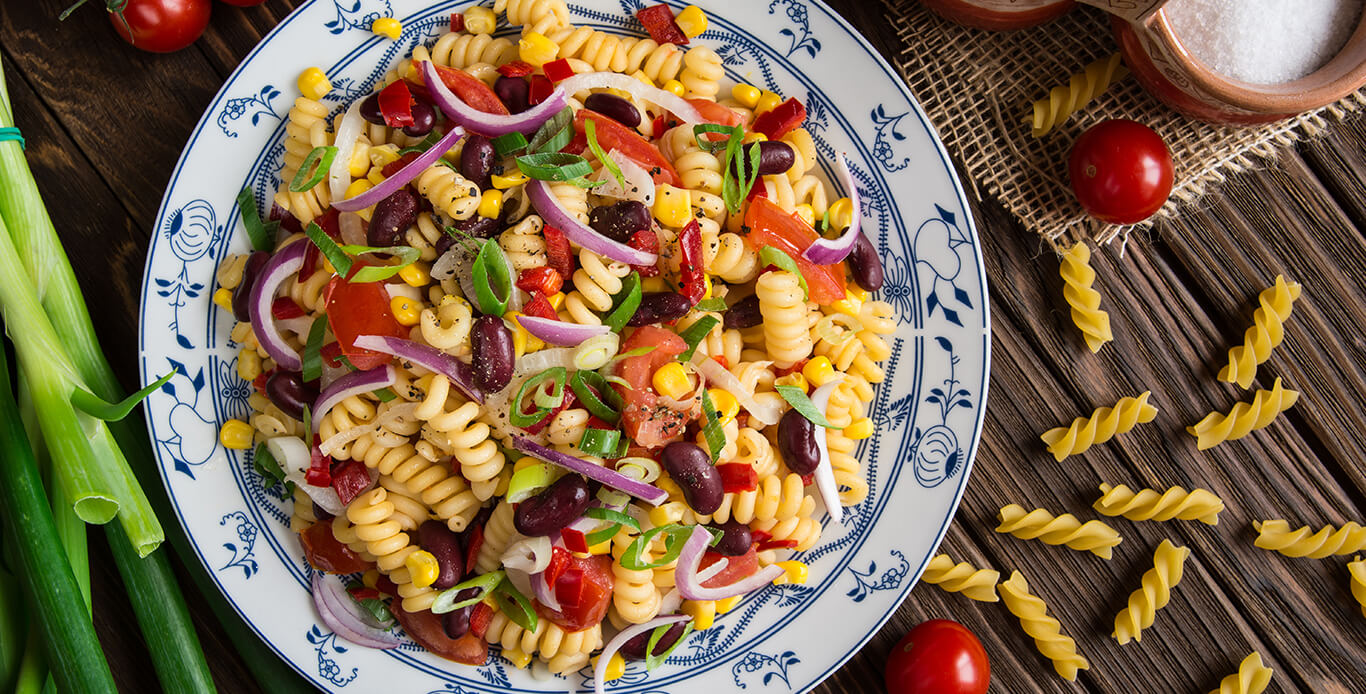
{"x": 1077, "y": 277}
{"x": 1252, "y": 677}
{"x": 1153, "y": 594}
{"x": 1244, "y": 418}
{"x": 1267, "y": 331}
{"x": 972, "y": 582}
{"x": 1045, "y": 630}
{"x": 1093, "y": 536}
{"x": 1276, "y": 535}
{"x": 1357, "y": 570}
{"x": 1100, "y": 427}
{"x": 1081, "y": 88}
{"x": 1149, "y": 504}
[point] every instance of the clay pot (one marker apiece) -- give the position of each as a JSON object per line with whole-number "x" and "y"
{"x": 1000, "y": 15}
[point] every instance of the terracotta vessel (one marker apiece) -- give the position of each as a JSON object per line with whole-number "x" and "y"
{"x": 1000, "y": 15}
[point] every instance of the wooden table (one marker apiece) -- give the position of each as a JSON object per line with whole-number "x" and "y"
{"x": 105, "y": 124}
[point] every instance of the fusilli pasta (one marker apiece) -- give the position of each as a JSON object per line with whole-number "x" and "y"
{"x": 1081, "y": 88}
{"x": 1092, "y": 536}
{"x": 1078, "y": 278}
{"x": 1153, "y": 594}
{"x": 1267, "y": 331}
{"x": 1100, "y": 427}
{"x": 1252, "y": 677}
{"x": 1045, "y": 630}
{"x": 1277, "y": 536}
{"x": 1149, "y": 504}
{"x": 1244, "y": 418}
{"x": 972, "y": 582}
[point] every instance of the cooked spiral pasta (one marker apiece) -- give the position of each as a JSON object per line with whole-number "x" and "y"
{"x": 635, "y": 599}
{"x": 624, "y": 54}
{"x": 1093, "y": 536}
{"x": 372, "y": 514}
{"x": 785, "y": 323}
{"x": 1045, "y": 630}
{"x": 804, "y": 151}
{"x": 478, "y": 455}
{"x": 1100, "y": 427}
{"x": 1077, "y": 277}
{"x": 424, "y": 235}
{"x": 499, "y": 532}
{"x": 564, "y": 651}
{"x": 1277, "y": 536}
{"x": 1244, "y": 418}
{"x": 573, "y": 198}
{"x": 735, "y": 261}
{"x": 1252, "y": 677}
{"x": 309, "y": 293}
{"x": 461, "y": 50}
{"x": 540, "y": 16}
{"x": 849, "y": 477}
{"x": 595, "y": 282}
{"x": 449, "y": 497}
{"x": 753, "y": 449}
{"x": 306, "y": 129}
{"x": 301, "y": 511}
{"x": 702, "y": 73}
{"x": 523, "y": 243}
{"x": 1357, "y": 570}
{"x": 449, "y": 192}
{"x": 1081, "y": 88}
{"x": 1149, "y": 504}
{"x": 446, "y": 326}
{"x": 1153, "y": 593}
{"x": 972, "y": 582}
{"x": 1267, "y": 331}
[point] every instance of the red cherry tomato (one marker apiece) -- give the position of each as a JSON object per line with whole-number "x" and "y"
{"x": 161, "y": 26}
{"x": 938, "y": 657}
{"x": 361, "y": 308}
{"x": 584, "y": 589}
{"x": 1121, "y": 171}
{"x": 325, "y": 553}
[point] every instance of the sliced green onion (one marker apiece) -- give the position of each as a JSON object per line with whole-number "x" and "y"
{"x": 269, "y": 468}
{"x": 525, "y": 419}
{"x": 825, "y": 222}
{"x": 796, "y": 397}
{"x": 341, "y": 262}
{"x": 509, "y": 143}
{"x": 707, "y": 144}
{"x": 486, "y": 583}
{"x": 314, "y": 169}
{"x": 407, "y": 255}
{"x": 712, "y": 430}
{"x": 625, "y": 303}
{"x": 515, "y": 605}
{"x": 602, "y": 534}
{"x": 653, "y": 661}
{"x": 612, "y": 497}
{"x": 595, "y": 352}
{"x": 96, "y": 407}
{"x": 639, "y": 468}
{"x": 553, "y": 134}
{"x": 731, "y": 190}
{"x": 384, "y": 394}
{"x": 590, "y": 132}
{"x": 695, "y": 334}
{"x": 599, "y": 442}
{"x": 714, "y": 304}
{"x": 596, "y": 396}
{"x": 308, "y": 425}
{"x": 492, "y": 276}
{"x": 529, "y": 481}
{"x": 675, "y": 536}
{"x": 837, "y": 328}
{"x": 313, "y": 346}
{"x": 376, "y": 609}
{"x": 772, "y": 256}
{"x": 551, "y": 393}
{"x": 554, "y": 166}
{"x": 607, "y": 514}
{"x": 262, "y": 234}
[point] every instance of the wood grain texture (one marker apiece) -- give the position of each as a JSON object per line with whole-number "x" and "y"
{"x": 106, "y": 123}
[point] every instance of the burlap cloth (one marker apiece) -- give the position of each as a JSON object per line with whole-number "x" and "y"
{"x": 978, "y": 88}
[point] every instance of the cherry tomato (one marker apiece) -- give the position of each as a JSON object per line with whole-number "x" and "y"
{"x": 1121, "y": 171}
{"x": 769, "y": 225}
{"x": 361, "y": 308}
{"x": 613, "y": 135}
{"x": 646, "y": 423}
{"x": 940, "y": 656}
{"x": 161, "y": 26}
{"x": 325, "y": 553}
{"x": 584, "y": 589}
{"x": 428, "y": 631}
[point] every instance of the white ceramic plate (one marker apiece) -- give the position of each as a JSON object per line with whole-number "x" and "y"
{"x": 928, "y": 412}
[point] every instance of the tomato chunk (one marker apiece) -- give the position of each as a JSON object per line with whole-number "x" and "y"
{"x": 769, "y": 225}
{"x": 361, "y": 308}
{"x": 471, "y": 90}
{"x": 644, "y": 419}
{"x": 659, "y": 21}
{"x": 584, "y": 589}
{"x": 613, "y": 135}
{"x": 428, "y": 631}
{"x": 325, "y": 553}
{"x": 713, "y": 112}
{"x": 782, "y": 120}
{"x": 738, "y": 568}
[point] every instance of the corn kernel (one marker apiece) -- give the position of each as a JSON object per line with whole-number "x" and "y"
{"x": 848, "y": 306}
{"x": 726, "y": 405}
{"x": 359, "y": 165}
{"x": 248, "y": 364}
{"x": 706, "y": 284}
{"x": 674, "y": 87}
{"x": 793, "y": 379}
{"x": 357, "y": 187}
{"x": 752, "y": 137}
{"x": 673, "y": 206}
{"x": 314, "y": 84}
{"x": 664, "y": 514}
{"x": 807, "y": 214}
{"x": 604, "y": 547}
{"x": 653, "y": 284}
{"x": 480, "y": 20}
{"x": 819, "y": 371}
{"x": 387, "y": 26}
{"x": 518, "y": 659}
{"x": 223, "y": 297}
{"x": 703, "y": 613}
{"x": 859, "y": 293}
{"x": 236, "y": 434}
{"x": 841, "y": 213}
{"x": 796, "y": 573}
{"x": 416, "y": 275}
{"x": 406, "y": 311}
{"x": 556, "y": 300}
{"x": 616, "y": 667}
{"x": 376, "y": 175}
{"x": 524, "y": 462}
{"x": 692, "y": 20}
{"x": 536, "y": 49}
{"x": 370, "y": 578}
{"x": 747, "y": 94}
{"x": 643, "y": 78}
{"x": 767, "y": 102}
{"x": 491, "y": 204}
{"x": 423, "y": 568}
{"x": 862, "y": 428}
{"x": 728, "y": 604}
{"x": 523, "y": 342}
{"x": 382, "y": 155}
{"x": 505, "y": 181}
{"x": 672, "y": 380}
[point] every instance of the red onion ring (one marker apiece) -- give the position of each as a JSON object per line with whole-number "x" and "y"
{"x": 491, "y": 124}
{"x": 354, "y": 383}
{"x": 825, "y": 474}
{"x": 652, "y": 494}
{"x": 281, "y": 265}
{"x": 403, "y": 175}
{"x": 690, "y": 558}
{"x": 558, "y": 332}
{"x": 430, "y": 358}
{"x": 344, "y": 617}
{"x": 600, "y": 670}
{"x": 555, "y": 215}
{"x": 830, "y": 251}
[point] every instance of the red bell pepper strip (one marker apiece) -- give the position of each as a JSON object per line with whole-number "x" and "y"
{"x": 471, "y": 90}
{"x": 540, "y": 307}
{"x": 359, "y": 593}
{"x": 327, "y": 221}
{"x": 480, "y": 617}
{"x": 319, "y": 466}
{"x": 457, "y": 22}
{"x": 558, "y": 70}
{"x": 645, "y": 240}
{"x": 691, "y": 267}
{"x": 545, "y": 279}
{"x": 259, "y": 383}
{"x": 396, "y": 165}
{"x": 738, "y": 477}
{"x": 516, "y": 68}
{"x": 613, "y": 135}
{"x": 284, "y": 308}
{"x": 777, "y": 544}
{"x": 558, "y": 254}
{"x": 659, "y": 21}
{"x": 783, "y": 119}
{"x": 331, "y": 354}
{"x": 396, "y": 105}
{"x": 568, "y": 402}
{"x": 475, "y": 542}
{"x": 350, "y": 479}
{"x": 539, "y": 89}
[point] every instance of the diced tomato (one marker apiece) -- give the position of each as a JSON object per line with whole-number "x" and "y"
{"x": 361, "y": 308}
{"x": 284, "y": 308}
{"x": 788, "y": 371}
{"x": 516, "y": 68}
{"x": 645, "y": 240}
{"x": 259, "y": 383}
{"x": 397, "y": 165}
{"x": 325, "y": 553}
{"x": 713, "y": 112}
{"x": 722, "y": 360}
{"x": 539, "y": 89}
{"x": 396, "y": 104}
{"x": 480, "y": 617}
{"x": 559, "y": 561}
{"x": 540, "y": 307}
{"x": 758, "y": 191}
{"x": 769, "y": 225}
{"x": 471, "y": 90}
{"x": 319, "y": 472}
{"x": 584, "y": 590}
{"x": 457, "y": 22}
{"x": 694, "y": 278}
{"x": 738, "y": 477}
{"x": 659, "y": 21}
{"x": 558, "y": 254}
{"x": 738, "y": 568}
{"x": 644, "y": 419}
{"x": 568, "y": 402}
{"x": 331, "y": 354}
{"x": 429, "y": 631}
{"x": 783, "y": 119}
{"x": 558, "y": 70}
{"x": 350, "y": 479}
{"x": 546, "y": 279}
{"x": 474, "y": 542}
{"x": 613, "y": 135}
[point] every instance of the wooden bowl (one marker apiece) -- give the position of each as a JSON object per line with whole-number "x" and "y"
{"x": 1000, "y": 15}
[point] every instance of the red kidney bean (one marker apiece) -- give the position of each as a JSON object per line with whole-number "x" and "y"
{"x": 424, "y": 119}
{"x": 477, "y": 159}
{"x": 554, "y": 508}
{"x": 691, "y": 468}
{"x": 797, "y": 443}
{"x": 370, "y": 111}
{"x": 621, "y": 221}
{"x": 444, "y": 544}
{"x": 614, "y": 107}
{"x": 286, "y": 389}
{"x": 393, "y": 215}
{"x": 865, "y": 265}
{"x": 491, "y": 344}
{"x": 634, "y": 648}
{"x": 774, "y": 157}
{"x": 514, "y": 92}
{"x": 477, "y": 226}
{"x": 735, "y": 538}
{"x": 457, "y": 622}
{"x": 321, "y": 514}
{"x": 656, "y": 307}
{"x": 743, "y": 314}
{"x": 241, "y": 296}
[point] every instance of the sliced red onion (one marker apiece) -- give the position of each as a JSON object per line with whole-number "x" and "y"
{"x": 281, "y": 265}
{"x": 529, "y": 554}
{"x": 615, "y": 80}
{"x": 671, "y": 601}
{"x": 690, "y": 585}
{"x": 558, "y": 332}
{"x": 829, "y": 251}
{"x": 611, "y": 478}
{"x": 354, "y": 383}
{"x": 430, "y": 358}
{"x": 402, "y": 176}
{"x": 640, "y": 186}
{"x": 348, "y": 131}
{"x": 520, "y": 580}
{"x": 555, "y": 215}
{"x": 491, "y": 124}
{"x": 352, "y": 229}
{"x": 825, "y": 473}
{"x": 293, "y": 456}
{"x": 718, "y": 376}
{"x": 600, "y": 670}
{"x": 344, "y": 617}
{"x": 716, "y": 567}
{"x": 544, "y": 594}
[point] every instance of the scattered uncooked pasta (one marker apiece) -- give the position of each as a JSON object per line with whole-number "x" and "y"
{"x": 972, "y": 582}
{"x": 1244, "y": 418}
{"x": 1357, "y": 570}
{"x": 1045, "y": 630}
{"x": 1149, "y": 504}
{"x": 1252, "y": 677}
{"x": 1267, "y": 331}
{"x": 1081, "y": 88}
{"x": 1153, "y": 593}
{"x": 1276, "y": 535}
{"x": 1100, "y": 427}
{"x": 1092, "y": 536}
{"x": 1077, "y": 277}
